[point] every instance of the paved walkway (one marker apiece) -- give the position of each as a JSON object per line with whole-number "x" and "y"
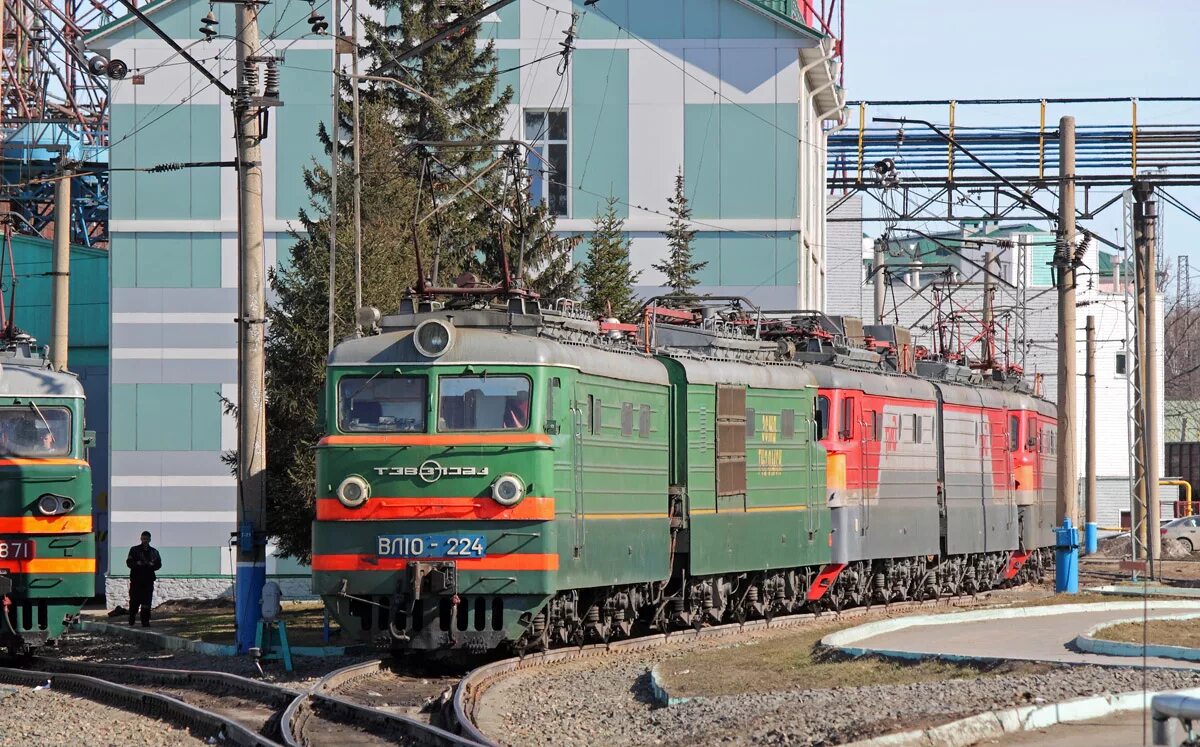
{"x": 1045, "y": 638}
{"x": 1117, "y": 730}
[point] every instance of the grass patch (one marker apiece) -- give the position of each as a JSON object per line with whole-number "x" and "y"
{"x": 794, "y": 662}
{"x": 1159, "y": 632}
{"x": 214, "y": 623}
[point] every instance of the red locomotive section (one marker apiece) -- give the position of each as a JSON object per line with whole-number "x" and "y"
{"x": 897, "y": 451}
{"x": 867, "y": 436}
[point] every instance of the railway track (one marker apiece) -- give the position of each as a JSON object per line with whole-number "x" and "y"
{"x": 213, "y": 705}
{"x": 471, "y": 688}
{"x": 365, "y": 705}
{"x": 337, "y": 711}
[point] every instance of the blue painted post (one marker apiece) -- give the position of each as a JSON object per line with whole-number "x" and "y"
{"x": 251, "y": 576}
{"x": 1066, "y": 559}
{"x": 1090, "y": 538}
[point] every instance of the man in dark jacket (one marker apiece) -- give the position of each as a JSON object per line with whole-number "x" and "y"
{"x": 143, "y": 561}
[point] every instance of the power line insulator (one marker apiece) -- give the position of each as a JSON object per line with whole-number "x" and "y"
{"x": 208, "y": 26}
{"x": 117, "y": 69}
{"x": 271, "y": 89}
{"x": 317, "y": 22}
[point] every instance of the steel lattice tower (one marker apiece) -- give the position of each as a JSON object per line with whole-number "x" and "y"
{"x": 53, "y": 109}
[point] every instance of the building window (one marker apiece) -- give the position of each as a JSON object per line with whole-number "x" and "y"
{"x": 546, "y": 133}
{"x": 1122, "y": 363}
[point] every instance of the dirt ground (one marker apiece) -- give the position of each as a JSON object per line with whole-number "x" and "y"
{"x": 793, "y": 661}
{"x": 1161, "y": 632}
{"x": 211, "y": 621}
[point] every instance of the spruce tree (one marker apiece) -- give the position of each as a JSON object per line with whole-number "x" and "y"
{"x": 608, "y": 275}
{"x": 678, "y": 265}
{"x": 468, "y": 106}
{"x": 543, "y": 262}
{"x": 395, "y": 172}
{"x": 297, "y": 340}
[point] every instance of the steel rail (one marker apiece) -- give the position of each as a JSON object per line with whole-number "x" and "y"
{"x": 223, "y": 683}
{"x": 321, "y": 701}
{"x": 477, "y": 681}
{"x": 136, "y": 700}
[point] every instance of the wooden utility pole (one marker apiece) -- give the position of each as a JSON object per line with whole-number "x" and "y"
{"x": 252, "y": 422}
{"x": 1064, "y": 261}
{"x": 61, "y": 270}
{"x": 1089, "y": 378}
{"x": 357, "y": 128}
{"x": 335, "y": 156}
{"x": 1145, "y": 218}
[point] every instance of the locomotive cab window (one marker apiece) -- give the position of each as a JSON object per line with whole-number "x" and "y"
{"x": 821, "y": 417}
{"x": 483, "y": 403}
{"x": 35, "y": 431}
{"x": 382, "y": 404}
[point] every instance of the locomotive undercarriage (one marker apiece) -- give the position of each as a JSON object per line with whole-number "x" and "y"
{"x": 579, "y": 617}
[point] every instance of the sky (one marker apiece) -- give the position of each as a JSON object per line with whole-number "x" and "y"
{"x": 930, "y": 49}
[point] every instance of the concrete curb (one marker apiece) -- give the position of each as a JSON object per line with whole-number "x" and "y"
{"x": 993, "y": 724}
{"x": 842, "y": 639}
{"x": 1087, "y": 641}
{"x": 1136, "y": 590}
{"x": 659, "y": 690}
{"x": 155, "y": 639}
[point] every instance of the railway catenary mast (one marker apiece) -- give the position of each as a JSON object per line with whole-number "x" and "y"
{"x": 498, "y": 473}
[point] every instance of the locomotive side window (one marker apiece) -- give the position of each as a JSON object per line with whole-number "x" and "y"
{"x": 1014, "y": 432}
{"x": 847, "y": 429}
{"x": 35, "y": 431}
{"x": 821, "y": 417}
{"x": 483, "y": 403}
{"x": 787, "y": 424}
{"x": 382, "y": 404}
{"x": 875, "y": 424}
{"x": 916, "y": 428}
{"x": 595, "y": 411}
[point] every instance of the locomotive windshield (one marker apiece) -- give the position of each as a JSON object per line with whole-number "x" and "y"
{"x": 382, "y": 404}
{"x": 483, "y": 403}
{"x": 34, "y": 431}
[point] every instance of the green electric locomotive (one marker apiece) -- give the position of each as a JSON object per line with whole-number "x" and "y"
{"x": 47, "y": 548}
{"x": 505, "y": 473}
{"x": 496, "y": 473}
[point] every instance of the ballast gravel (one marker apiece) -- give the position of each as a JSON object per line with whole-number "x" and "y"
{"x": 111, "y": 649}
{"x": 53, "y": 719}
{"x": 588, "y": 703}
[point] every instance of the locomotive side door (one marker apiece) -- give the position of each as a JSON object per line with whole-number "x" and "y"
{"x": 583, "y": 413}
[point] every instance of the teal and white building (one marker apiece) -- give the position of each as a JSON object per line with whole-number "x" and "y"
{"x": 738, "y": 93}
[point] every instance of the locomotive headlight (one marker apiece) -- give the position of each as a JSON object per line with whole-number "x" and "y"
{"x": 353, "y": 492}
{"x": 433, "y": 337}
{"x": 50, "y": 504}
{"x": 508, "y": 490}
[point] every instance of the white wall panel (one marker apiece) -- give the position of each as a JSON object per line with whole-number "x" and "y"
{"x": 543, "y": 85}
{"x": 787, "y": 77}
{"x": 644, "y": 250}
{"x": 539, "y": 17}
{"x": 703, "y": 66}
{"x": 653, "y": 79}
{"x": 748, "y": 75}
{"x": 655, "y": 154}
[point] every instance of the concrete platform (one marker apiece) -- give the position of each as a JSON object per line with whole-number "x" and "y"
{"x": 1036, "y": 634}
